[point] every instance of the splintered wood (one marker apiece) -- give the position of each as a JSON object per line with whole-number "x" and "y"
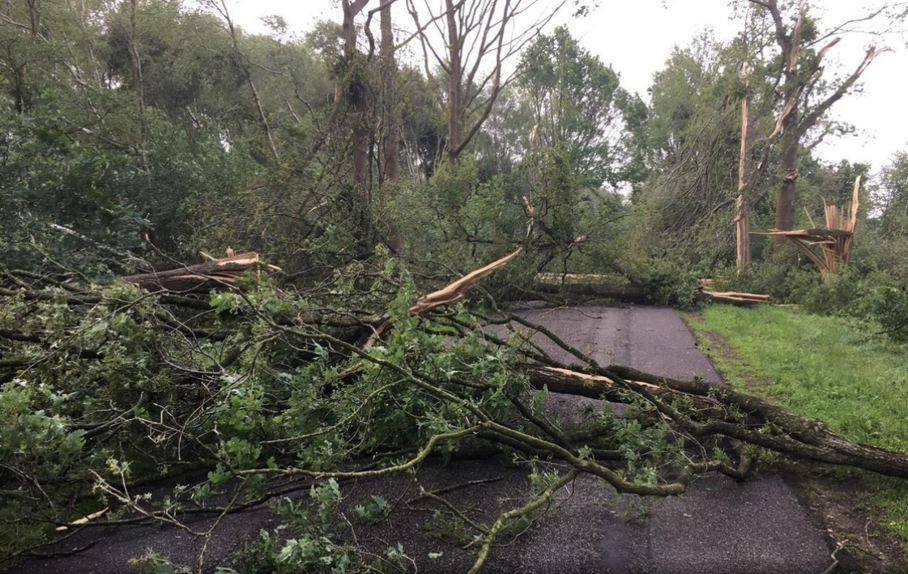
{"x": 834, "y": 241}
{"x": 203, "y": 277}
{"x": 446, "y": 295}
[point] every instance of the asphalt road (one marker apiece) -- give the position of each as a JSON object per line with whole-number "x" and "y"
{"x": 717, "y": 527}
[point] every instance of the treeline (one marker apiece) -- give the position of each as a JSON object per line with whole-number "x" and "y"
{"x": 158, "y": 129}
{"x": 136, "y": 133}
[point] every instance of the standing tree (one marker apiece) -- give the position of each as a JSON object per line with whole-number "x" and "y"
{"x": 742, "y": 217}
{"x": 245, "y": 65}
{"x": 575, "y": 101}
{"x": 892, "y": 196}
{"x": 390, "y": 112}
{"x": 805, "y": 95}
{"x": 690, "y": 142}
{"x": 479, "y": 37}
{"x": 355, "y": 92}
{"x": 390, "y": 134}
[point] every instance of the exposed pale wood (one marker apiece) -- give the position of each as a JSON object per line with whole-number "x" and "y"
{"x": 754, "y": 296}
{"x": 202, "y": 277}
{"x": 742, "y": 220}
{"x": 446, "y": 295}
{"x": 707, "y": 293}
{"x": 835, "y": 240}
{"x": 85, "y": 519}
{"x": 456, "y": 290}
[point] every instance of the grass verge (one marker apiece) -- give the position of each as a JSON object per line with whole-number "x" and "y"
{"x": 829, "y": 368}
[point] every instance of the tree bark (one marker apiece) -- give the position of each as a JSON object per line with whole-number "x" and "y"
{"x": 742, "y": 225}
{"x": 357, "y": 96}
{"x": 785, "y": 206}
{"x": 455, "y": 88}
{"x": 714, "y": 413}
{"x": 799, "y": 76}
{"x": 139, "y": 81}
{"x": 201, "y": 278}
{"x": 391, "y": 136}
{"x": 631, "y": 293}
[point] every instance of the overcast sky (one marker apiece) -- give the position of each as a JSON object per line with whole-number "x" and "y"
{"x": 637, "y": 36}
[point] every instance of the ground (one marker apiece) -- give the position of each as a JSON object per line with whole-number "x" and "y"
{"x": 838, "y": 499}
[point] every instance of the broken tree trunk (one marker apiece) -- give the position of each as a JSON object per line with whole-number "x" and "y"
{"x": 834, "y": 241}
{"x": 588, "y": 286}
{"x": 742, "y": 220}
{"x": 202, "y": 278}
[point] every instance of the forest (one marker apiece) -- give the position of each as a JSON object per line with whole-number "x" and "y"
{"x": 236, "y": 259}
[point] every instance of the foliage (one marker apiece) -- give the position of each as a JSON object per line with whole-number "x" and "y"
{"x": 575, "y": 101}
{"x": 889, "y": 307}
{"x": 827, "y": 368}
{"x": 891, "y": 196}
{"x": 308, "y": 541}
{"x": 689, "y": 142}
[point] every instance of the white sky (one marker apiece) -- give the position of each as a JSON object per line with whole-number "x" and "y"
{"x": 636, "y": 38}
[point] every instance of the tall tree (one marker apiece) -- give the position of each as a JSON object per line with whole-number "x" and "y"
{"x": 391, "y": 109}
{"x": 221, "y": 7}
{"x": 689, "y": 141}
{"x": 891, "y": 197}
{"x": 745, "y": 161}
{"x": 805, "y": 95}
{"x": 575, "y": 101}
{"x": 390, "y": 136}
{"x": 355, "y": 92}
{"x": 471, "y": 45}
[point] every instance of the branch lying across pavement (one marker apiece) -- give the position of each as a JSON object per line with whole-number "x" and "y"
{"x": 283, "y": 385}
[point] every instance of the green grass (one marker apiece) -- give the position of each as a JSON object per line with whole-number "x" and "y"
{"x": 828, "y": 368}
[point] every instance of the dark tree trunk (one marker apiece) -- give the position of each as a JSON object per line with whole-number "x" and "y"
{"x": 358, "y": 100}
{"x": 785, "y": 207}
{"x": 391, "y": 137}
{"x": 455, "y": 89}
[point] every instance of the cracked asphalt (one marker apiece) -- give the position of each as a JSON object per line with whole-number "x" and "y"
{"x": 718, "y": 527}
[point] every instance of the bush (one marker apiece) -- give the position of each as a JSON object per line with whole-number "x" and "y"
{"x": 889, "y": 307}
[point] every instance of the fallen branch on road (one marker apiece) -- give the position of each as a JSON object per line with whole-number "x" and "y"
{"x": 271, "y": 384}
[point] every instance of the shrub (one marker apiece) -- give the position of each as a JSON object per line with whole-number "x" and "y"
{"x": 889, "y": 307}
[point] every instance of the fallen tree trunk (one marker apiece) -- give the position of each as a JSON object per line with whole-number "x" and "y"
{"x": 720, "y": 410}
{"x": 572, "y": 382}
{"x": 629, "y": 293}
{"x": 733, "y": 298}
{"x": 304, "y": 386}
{"x": 711, "y": 409}
{"x": 202, "y": 278}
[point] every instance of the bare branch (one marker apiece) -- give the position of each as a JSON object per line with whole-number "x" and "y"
{"x": 814, "y": 116}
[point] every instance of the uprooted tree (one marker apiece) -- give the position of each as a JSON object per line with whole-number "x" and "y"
{"x": 109, "y": 388}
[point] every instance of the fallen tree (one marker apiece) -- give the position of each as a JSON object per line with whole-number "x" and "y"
{"x": 203, "y": 277}
{"x": 110, "y": 388}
